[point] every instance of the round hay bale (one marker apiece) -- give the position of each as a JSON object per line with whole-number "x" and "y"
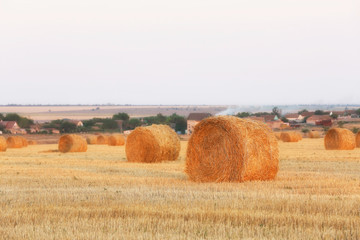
{"x": 91, "y": 139}
{"x": 14, "y": 142}
{"x": 277, "y": 135}
{"x": 230, "y": 149}
{"x": 339, "y": 139}
{"x": 358, "y": 140}
{"x": 102, "y": 139}
{"x": 72, "y": 143}
{"x": 290, "y": 136}
{"x": 314, "y": 134}
{"x": 3, "y": 144}
{"x": 116, "y": 140}
{"x": 150, "y": 144}
{"x": 32, "y": 142}
{"x": 24, "y": 141}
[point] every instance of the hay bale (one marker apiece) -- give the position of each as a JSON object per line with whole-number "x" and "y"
{"x": 102, "y": 139}
{"x": 91, "y": 139}
{"x": 3, "y": 144}
{"x": 32, "y": 142}
{"x": 277, "y": 135}
{"x": 154, "y": 143}
{"x": 14, "y": 142}
{"x": 24, "y": 141}
{"x": 116, "y": 140}
{"x": 230, "y": 149}
{"x": 313, "y": 134}
{"x": 290, "y": 136}
{"x": 358, "y": 140}
{"x": 72, "y": 143}
{"x": 339, "y": 139}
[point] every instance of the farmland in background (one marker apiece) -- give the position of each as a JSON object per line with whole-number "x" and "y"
{"x": 99, "y": 195}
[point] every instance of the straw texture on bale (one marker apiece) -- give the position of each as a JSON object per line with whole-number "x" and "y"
{"x": 116, "y": 140}
{"x": 150, "y": 144}
{"x": 102, "y": 139}
{"x": 290, "y": 136}
{"x": 230, "y": 149}
{"x": 277, "y": 135}
{"x": 24, "y": 141}
{"x": 358, "y": 140}
{"x": 32, "y": 142}
{"x": 14, "y": 142}
{"x": 3, "y": 144}
{"x": 72, "y": 143}
{"x": 313, "y": 134}
{"x": 91, "y": 140}
{"x": 339, "y": 139}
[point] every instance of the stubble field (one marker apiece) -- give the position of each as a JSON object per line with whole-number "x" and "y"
{"x": 99, "y": 195}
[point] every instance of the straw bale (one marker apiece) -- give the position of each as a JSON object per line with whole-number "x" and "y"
{"x": 3, "y": 144}
{"x": 24, "y": 141}
{"x": 154, "y": 143}
{"x": 91, "y": 139}
{"x": 277, "y": 135}
{"x": 230, "y": 149}
{"x": 72, "y": 143}
{"x": 358, "y": 140}
{"x": 14, "y": 142}
{"x": 116, "y": 140}
{"x": 32, "y": 142}
{"x": 339, "y": 139}
{"x": 102, "y": 139}
{"x": 314, "y": 134}
{"x": 290, "y": 136}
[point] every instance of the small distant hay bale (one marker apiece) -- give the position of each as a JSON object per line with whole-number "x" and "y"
{"x": 24, "y": 141}
{"x": 151, "y": 144}
{"x": 3, "y": 144}
{"x": 102, "y": 139}
{"x": 230, "y": 149}
{"x": 32, "y": 142}
{"x": 91, "y": 139}
{"x": 14, "y": 142}
{"x": 290, "y": 136}
{"x": 116, "y": 140}
{"x": 339, "y": 139}
{"x": 313, "y": 134}
{"x": 72, "y": 143}
{"x": 358, "y": 140}
{"x": 277, "y": 135}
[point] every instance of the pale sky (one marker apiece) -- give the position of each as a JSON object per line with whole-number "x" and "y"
{"x": 180, "y": 52}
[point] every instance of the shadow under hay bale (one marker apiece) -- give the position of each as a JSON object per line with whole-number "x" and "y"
{"x": 3, "y": 144}
{"x": 290, "y": 136}
{"x": 91, "y": 140}
{"x": 102, "y": 139}
{"x": 339, "y": 139}
{"x": 116, "y": 140}
{"x": 14, "y": 142}
{"x": 313, "y": 134}
{"x": 358, "y": 140}
{"x": 150, "y": 144}
{"x": 72, "y": 143}
{"x": 230, "y": 149}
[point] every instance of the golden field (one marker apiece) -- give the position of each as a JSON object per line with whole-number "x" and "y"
{"x": 99, "y": 195}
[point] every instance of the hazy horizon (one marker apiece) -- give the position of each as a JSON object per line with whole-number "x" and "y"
{"x": 180, "y": 53}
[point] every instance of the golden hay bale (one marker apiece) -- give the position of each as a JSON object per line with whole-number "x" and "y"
{"x": 277, "y": 135}
{"x": 3, "y": 144}
{"x": 116, "y": 140}
{"x": 102, "y": 139}
{"x": 91, "y": 140}
{"x": 72, "y": 143}
{"x": 24, "y": 141}
{"x": 14, "y": 142}
{"x": 290, "y": 136}
{"x": 358, "y": 140}
{"x": 230, "y": 149}
{"x": 339, "y": 139}
{"x": 154, "y": 143}
{"x": 313, "y": 134}
{"x": 32, "y": 142}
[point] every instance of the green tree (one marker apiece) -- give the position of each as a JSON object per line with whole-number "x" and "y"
{"x": 180, "y": 122}
{"x": 243, "y": 114}
{"x": 334, "y": 116}
{"x": 320, "y": 112}
{"x": 276, "y": 111}
{"x": 121, "y": 116}
{"x": 134, "y": 122}
{"x": 109, "y": 123}
{"x": 12, "y": 117}
{"x": 303, "y": 111}
{"x": 1, "y": 116}
{"x": 67, "y": 127}
{"x": 284, "y": 119}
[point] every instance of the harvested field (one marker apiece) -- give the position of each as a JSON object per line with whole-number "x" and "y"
{"x": 99, "y": 195}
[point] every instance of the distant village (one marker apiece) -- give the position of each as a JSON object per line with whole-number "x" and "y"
{"x": 14, "y": 124}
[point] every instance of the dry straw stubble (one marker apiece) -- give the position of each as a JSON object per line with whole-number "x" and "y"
{"x": 339, "y": 139}
{"x": 116, "y": 140}
{"x": 3, "y": 144}
{"x": 72, "y": 143}
{"x": 230, "y": 149}
{"x": 150, "y": 144}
